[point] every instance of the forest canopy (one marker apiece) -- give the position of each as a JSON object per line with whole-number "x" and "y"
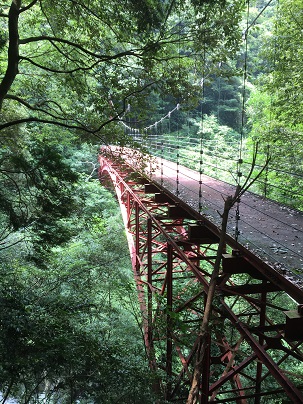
{"x": 67, "y": 68}
{"x": 70, "y": 72}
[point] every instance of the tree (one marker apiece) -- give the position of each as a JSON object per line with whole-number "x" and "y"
{"x": 274, "y": 107}
{"x": 68, "y": 70}
{"x": 36, "y": 193}
{"x": 286, "y": 63}
{"x": 86, "y": 62}
{"x": 62, "y": 324}
{"x": 223, "y": 99}
{"x": 68, "y": 75}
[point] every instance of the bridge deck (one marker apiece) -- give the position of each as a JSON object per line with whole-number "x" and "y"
{"x": 172, "y": 251}
{"x": 271, "y": 231}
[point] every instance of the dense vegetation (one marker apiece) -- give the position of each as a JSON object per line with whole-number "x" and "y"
{"x": 253, "y": 98}
{"x": 69, "y": 328}
{"x": 62, "y": 317}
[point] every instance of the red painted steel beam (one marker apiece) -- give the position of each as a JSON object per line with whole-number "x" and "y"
{"x": 166, "y": 262}
{"x": 290, "y": 389}
{"x": 169, "y": 304}
{"x": 231, "y": 373}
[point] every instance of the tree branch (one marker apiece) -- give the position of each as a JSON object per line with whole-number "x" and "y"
{"x": 33, "y": 119}
{"x": 204, "y": 328}
{"x": 36, "y": 108}
{"x": 48, "y": 69}
{"x": 30, "y": 5}
{"x": 63, "y": 119}
{"x": 51, "y": 39}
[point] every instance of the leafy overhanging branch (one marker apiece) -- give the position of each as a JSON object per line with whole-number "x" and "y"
{"x": 48, "y": 121}
{"x": 14, "y": 57}
{"x": 65, "y": 71}
{"x": 38, "y": 106}
{"x": 30, "y": 5}
{"x": 63, "y": 121}
{"x": 133, "y": 52}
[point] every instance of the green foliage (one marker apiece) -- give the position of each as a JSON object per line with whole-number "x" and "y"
{"x": 61, "y": 325}
{"x": 75, "y": 70}
{"x": 274, "y": 107}
{"x": 218, "y": 142}
{"x": 66, "y": 295}
{"x": 285, "y": 56}
{"x": 68, "y": 323}
{"x": 43, "y": 182}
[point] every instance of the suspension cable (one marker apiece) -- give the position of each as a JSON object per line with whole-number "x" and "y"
{"x": 240, "y": 159}
{"x": 202, "y": 128}
{"x": 259, "y": 15}
{"x": 151, "y": 126}
{"x": 270, "y": 115}
{"x": 161, "y": 153}
{"x": 178, "y": 116}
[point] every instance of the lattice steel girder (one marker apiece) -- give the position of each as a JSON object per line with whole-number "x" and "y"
{"x": 172, "y": 271}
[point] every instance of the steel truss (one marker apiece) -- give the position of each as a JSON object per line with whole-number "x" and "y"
{"x": 254, "y": 352}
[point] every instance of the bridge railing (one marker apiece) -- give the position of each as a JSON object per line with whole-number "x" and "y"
{"x": 271, "y": 231}
{"x": 282, "y": 181}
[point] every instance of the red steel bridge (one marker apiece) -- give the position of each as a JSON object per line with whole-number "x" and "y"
{"x": 171, "y": 214}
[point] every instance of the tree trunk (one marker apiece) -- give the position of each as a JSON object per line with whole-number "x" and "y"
{"x": 13, "y": 50}
{"x": 193, "y": 395}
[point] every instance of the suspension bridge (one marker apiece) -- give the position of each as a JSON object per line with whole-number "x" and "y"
{"x": 172, "y": 195}
{"x": 172, "y": 217}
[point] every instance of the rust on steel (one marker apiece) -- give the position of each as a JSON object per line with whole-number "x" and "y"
{"x": 173, "y": 250}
